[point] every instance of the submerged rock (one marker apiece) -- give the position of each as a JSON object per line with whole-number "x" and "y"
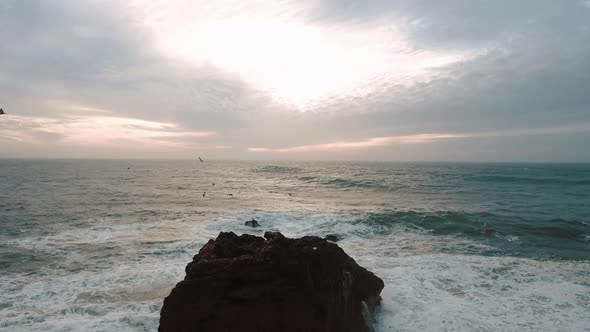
{"x": 252, "y": 223}
{"x": 488, "y": 231}
{"x": 247, "y": 283}
{"x": 332, "y": 237}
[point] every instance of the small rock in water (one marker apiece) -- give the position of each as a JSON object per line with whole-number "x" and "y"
{"x": 488, "y": 231}
{"x": 332, "y": 237}
{"x": 252, "y": 223}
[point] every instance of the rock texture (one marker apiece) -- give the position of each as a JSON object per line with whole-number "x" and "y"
{"x": 248, "y": 283}
{"x": 252, "y": 223}
{"x": 332, "y": 237}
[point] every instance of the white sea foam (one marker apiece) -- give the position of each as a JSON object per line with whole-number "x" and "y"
{"x": 426, "y": 289}
{"x": 438, "y": 292}
{"x": 125, "y": 294}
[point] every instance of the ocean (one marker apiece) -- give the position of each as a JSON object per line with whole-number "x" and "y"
{"x": 96, "y": 245}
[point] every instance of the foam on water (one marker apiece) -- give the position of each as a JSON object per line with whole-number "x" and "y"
{"x": 85, "y": 290}
{"x": 475, "y": 293}
{"x": 425, "y": 290}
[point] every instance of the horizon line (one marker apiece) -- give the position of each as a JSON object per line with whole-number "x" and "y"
{"x": 301, "y": 160}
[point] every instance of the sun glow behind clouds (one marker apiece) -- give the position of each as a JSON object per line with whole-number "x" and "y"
{"x": 296, "y": 60}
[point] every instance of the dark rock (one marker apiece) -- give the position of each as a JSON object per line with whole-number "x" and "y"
{"x": 488, "y": 231}
{"x": 273, "y": 236}
{"x": 252, "y": 223}
{"x": 247, "y": 283}
{"x": 332, "y": 237}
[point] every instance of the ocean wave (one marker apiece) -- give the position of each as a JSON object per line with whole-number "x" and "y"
{"x": 343, "y": 182}
{"x": 481, "y": 293}
{"x": 487, "y": 233}
{"x": 530, "y": 180}
{"x": 353, "y": 184}
{"x": 347, "y": 183}
{"x": 277, "y": 169}
{"x": 307, "y": 178}
{"x": 92, "y": 284}
{"x": 552, "y": 238}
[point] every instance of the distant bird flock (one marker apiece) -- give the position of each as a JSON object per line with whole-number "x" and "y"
{"x": 230, "y": 194}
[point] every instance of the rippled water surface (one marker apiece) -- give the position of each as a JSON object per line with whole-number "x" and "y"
{"x": 97, "y": 245}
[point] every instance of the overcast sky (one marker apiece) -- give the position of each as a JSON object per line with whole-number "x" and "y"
{"x": 454, "y": 80}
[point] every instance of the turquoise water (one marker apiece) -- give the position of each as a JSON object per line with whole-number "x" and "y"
{"x": 96, "y": 245}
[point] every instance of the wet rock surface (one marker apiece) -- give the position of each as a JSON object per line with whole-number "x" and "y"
{"x": 250, "y": 283}
{"x": 332, "y": 237}
{"x": 252, "y": 223}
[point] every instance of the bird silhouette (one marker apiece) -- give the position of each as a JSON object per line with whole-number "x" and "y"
{"x": 201, "y": 160}
{"x": 2, "y": 111}
{"x": 204, "y": 193}
{"x": 230, "y": 195}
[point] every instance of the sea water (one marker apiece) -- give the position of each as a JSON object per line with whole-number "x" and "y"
{"x": 96, "y": 245}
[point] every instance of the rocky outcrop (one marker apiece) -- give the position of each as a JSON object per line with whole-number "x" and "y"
{"x": 248, "y": 283}
{"x": 252, "y": 223}
{"x": 332, "y": 237}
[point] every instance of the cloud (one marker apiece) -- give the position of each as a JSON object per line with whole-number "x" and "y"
{"x": 422, "y": 138}
{"x": 464, "y": 23}
{"x": 47, "y": 136}
{"x": 566, "y": 129}
{"x": 367, "y": 143}
{"x": 276, "y": 49}
{"x": 95, "y": 130}
{"x": 229, "y": 75}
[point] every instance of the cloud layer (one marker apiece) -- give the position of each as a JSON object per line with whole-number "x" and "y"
{"x": 322, "y": 79}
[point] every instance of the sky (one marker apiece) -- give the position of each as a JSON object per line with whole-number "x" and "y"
{"x": 405, "y": 80}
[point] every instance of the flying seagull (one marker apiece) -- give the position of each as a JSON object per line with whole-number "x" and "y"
{"x": 201, "y": 160}
{"x": 2, "y": 111}
{"x": 230, "y": 195}
{"x": 204, "y": 193}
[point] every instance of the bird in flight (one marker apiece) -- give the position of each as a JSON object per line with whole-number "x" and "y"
{"x": 2, "y": 111}
{"x": 230, "y": 195}
{"x": 204, "y": 193}
{"x": 213, "y": 183}
{"x": 201, "y": 160}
